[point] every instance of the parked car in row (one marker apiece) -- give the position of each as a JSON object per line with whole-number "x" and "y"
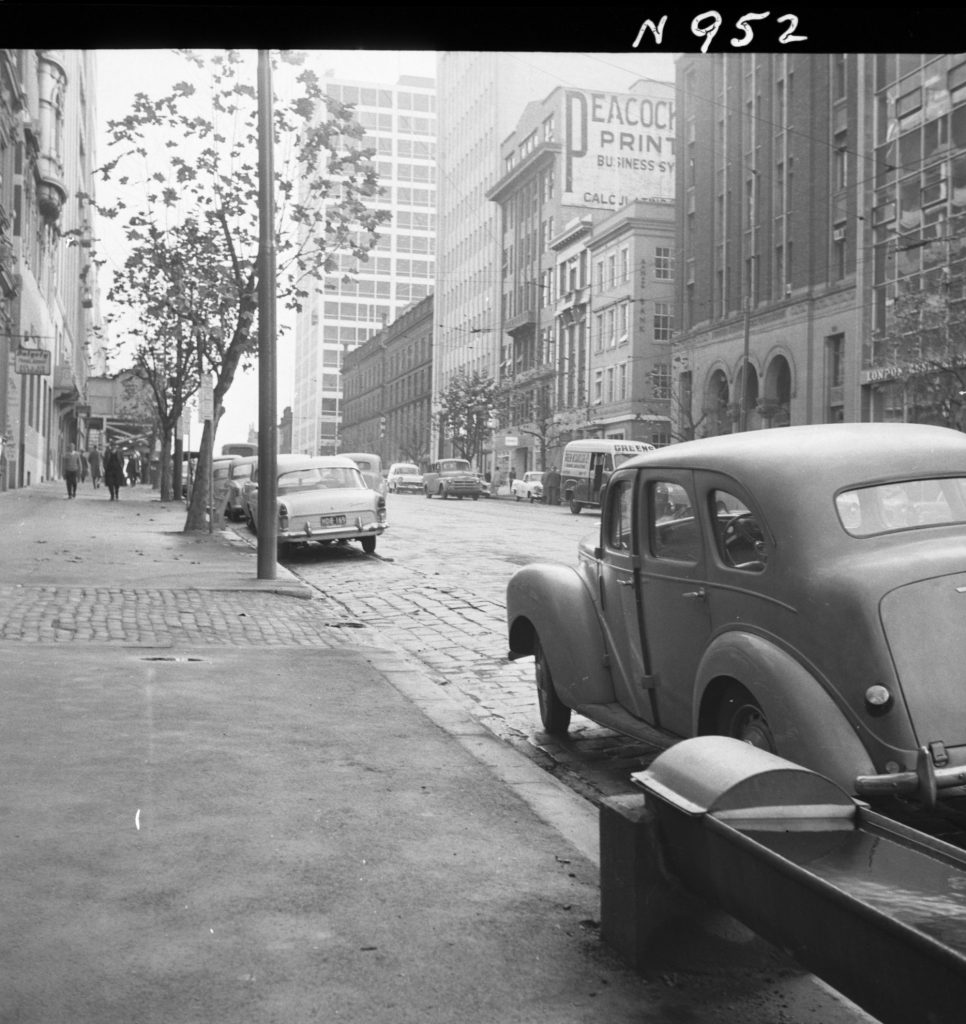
{"x": 451, "y": 478}
{"x": 403, "y": 478}
{"x": 529, "y": 487}
{"x": 802, "y": 589}
{"x": 320, "y": 498}
{"x": 238, "y": 472}
{"x": 370, "y": 466}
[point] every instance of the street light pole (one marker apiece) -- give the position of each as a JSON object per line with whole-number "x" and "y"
{"x": 267, "y": 418}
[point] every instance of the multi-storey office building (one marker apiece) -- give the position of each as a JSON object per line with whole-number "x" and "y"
{"x": 481, "y": 98}
{"x": 817, "y": 195}
{"x": 48, "y": 281}
{"x": 600, "y": 164}
{"x": 918, "y": 228}
{"x": 387, "y": 383}
{"x": 360, "y": 298}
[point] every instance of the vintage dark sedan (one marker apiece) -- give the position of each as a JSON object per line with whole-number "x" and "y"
{"x": 803, "y": 589}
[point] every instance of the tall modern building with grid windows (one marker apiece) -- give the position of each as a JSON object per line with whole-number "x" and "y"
{"x": 400, "y": 124}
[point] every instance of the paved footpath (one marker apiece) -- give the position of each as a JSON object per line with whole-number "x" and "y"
{"x": 223, "y": 801}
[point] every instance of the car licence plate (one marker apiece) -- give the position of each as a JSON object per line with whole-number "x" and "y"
{"x": 332, "y": 520}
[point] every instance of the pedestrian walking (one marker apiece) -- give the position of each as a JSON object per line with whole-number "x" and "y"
{"x": 133, "y": 468}
{"x": 552, "y": 488}
{"x": 94, "y": 461}
{"x": 113, "y": 471}
{"x": 83, "y": 458}
{"x": 71, "y": 466}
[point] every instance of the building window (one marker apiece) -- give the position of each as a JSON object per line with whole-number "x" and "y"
{"x": 548, "y": 129}
{"x": 611, "y": 327}
{"x": 836, "y": 360}
{"x": 663, "y": 264}
{"x": 621, "y": 382}
{"x": 839, "y": 80}
{"x": 611, "y": 271}
{"x": 598, "y": 386}
{"x": 600, "y": 275}
{"x": 663, "y": 321}
{"x": 623, "y": 322}
{"x": 661, "y": 381}
{"x": 625, "y": 266}
{"x": 840, "y": 161}
{"x": 599, "y": 332}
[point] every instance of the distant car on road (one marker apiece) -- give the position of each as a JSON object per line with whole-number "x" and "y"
{"x": 404, "y": 477}
{"x": 529, "y": 486}
{"x": 321, "y": 498}
{"x": 451, "y": 478}
{"x": 802, "y": 589}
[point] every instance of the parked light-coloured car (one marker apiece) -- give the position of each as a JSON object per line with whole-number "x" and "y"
{"x": 321, "y": 498}
{"x": 802, "y": 589}
{"x": 404, "y": 477}
{"x": 529, "y": 487}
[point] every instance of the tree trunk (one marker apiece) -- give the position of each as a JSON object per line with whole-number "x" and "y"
{"x": 197, "y": 520}
{"x": 167, "y": 483}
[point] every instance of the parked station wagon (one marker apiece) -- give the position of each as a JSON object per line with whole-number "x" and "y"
{"x": 802, "y": 589}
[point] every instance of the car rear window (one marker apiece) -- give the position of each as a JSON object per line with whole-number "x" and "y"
{"x": 406, "y": 469}
{"x": 902, "y": 505}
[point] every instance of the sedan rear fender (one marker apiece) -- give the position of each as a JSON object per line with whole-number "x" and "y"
{"x": 552, "y": 601}
{"x": 808, "y": 726}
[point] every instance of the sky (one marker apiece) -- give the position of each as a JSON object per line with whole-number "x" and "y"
{"x": 121, "y": 74}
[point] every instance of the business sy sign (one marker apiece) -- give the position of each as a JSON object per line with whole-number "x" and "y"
{"x": 618, "y": 147}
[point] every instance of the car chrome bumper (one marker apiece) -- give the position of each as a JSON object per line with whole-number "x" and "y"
{"x": 922, "y": 784}
{"x": 347, "y": 532}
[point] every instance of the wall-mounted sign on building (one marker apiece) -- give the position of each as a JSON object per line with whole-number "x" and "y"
{"x": 618, "y": 147}
{"x": 32, "y": 360}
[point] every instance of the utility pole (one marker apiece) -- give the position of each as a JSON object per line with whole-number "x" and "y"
{"x": 267, "y": 418}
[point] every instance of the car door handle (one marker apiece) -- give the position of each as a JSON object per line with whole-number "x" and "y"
{"x": 625, "y": 583}
{"x": 700, "y": 594}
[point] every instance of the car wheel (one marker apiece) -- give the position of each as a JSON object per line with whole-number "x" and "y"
{"x": 249, "y": 518}
{"x": 575, "y": 507}
{"x": 368, "y": 544}
{"x": 516, "y": 497}
{"x": 476, "y": 497}
{"x": 428, "y": 495}
{"x": 554, "y": 714}
{"x": 443, "y": 494}
{"x": 741, "y": 717}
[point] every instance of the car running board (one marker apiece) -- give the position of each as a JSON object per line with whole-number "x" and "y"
{"x": 614, "y": 716}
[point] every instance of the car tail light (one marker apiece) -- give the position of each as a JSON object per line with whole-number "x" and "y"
{"x": 282, "y": 517}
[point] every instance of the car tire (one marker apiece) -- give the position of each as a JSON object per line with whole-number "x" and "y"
{"x": 443, "y": 494}
{"x": 741, "y": 717}
{"x": 554, "y": 714}
{"x": 476, "y": 497}
{"x": 428, "y": 495}
{"x": 575, "y": 507}
{"x": 368, "y": 544}
{"x": 250, "y": 520}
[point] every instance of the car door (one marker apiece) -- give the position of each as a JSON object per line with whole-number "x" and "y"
{"x": 621, "y": 612}
{"x": 677, "y": 621}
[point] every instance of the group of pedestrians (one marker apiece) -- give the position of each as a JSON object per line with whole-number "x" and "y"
{"x": 76, "y": 465}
